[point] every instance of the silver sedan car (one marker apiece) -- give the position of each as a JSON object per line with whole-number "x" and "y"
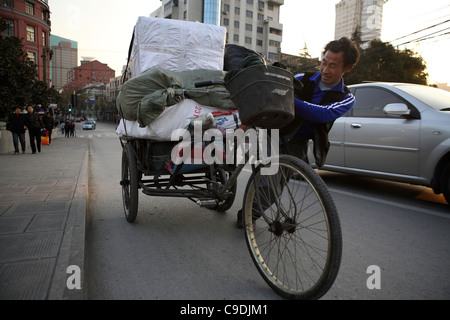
{"x": 395, "y": 131}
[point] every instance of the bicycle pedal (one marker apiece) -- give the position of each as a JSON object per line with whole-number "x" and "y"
{"x": 207, "y": 203}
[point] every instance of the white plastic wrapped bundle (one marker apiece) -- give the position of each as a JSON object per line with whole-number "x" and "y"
{"x": 178, "y": 117}
{"x": 176, "y": 45}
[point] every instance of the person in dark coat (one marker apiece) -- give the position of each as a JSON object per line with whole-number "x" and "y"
{"x": 49, "y": 124}
{"x": 16, "y": 124}
{"x": 34, "y": 125}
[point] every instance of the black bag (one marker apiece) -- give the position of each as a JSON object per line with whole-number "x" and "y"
{"x": 264, "y": 95}
{"x": 234, "y": 55}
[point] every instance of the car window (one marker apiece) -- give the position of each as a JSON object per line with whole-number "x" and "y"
{"x": 370, "y": 102}
{"x": 435, "y": 98}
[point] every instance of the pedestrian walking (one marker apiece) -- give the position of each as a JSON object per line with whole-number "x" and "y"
{"x": 16, "y": 124}
{"x": 34, "y": 126}
{"x": 49, "y": 124}
{"x": 72, "y": 129}
{"x": 67, "y": 128}
{"x": 62, "y": 127}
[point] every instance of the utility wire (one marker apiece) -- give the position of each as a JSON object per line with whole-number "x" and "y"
{"x": 425, "y": 38}
{"x": 433, "y": 26}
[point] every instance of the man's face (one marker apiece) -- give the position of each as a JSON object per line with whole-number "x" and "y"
{"x": 30, "y": 109}
{"x": 332, "y": 68}
{"x": 17, "y": 110}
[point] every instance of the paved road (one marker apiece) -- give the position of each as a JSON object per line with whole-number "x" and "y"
{"x": 177, "y": 250}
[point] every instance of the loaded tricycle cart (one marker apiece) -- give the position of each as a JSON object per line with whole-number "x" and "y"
{"x": 289, "y": 218}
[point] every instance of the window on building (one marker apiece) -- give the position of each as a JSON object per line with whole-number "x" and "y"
{"x": 226, "y": 8}
{"x": 237, "y": 10}
{"x": 259, "y": 43}
{"x": 29, "y": 8}
{"x": 248, "y": 27}
{"x": 44, "y": 39}
{"x": 30, "y": 34}
{"x": 260, "y": 29}
{"x": 273, "y": 56}
{"x": 273, "y": 43}
{"x": 226, "y": 21}
{"x": 261, "y": 5}
{"x": 236, "y": 24}
{"x": 9, "y": 31}
{"x": 249, "y": 14}
{"x": 250, "y": 1}
{"x": 31, "y": 56}
{"x": 260, "y": 17}
{"x": 236, "y": 38}
{"x": 270, "y": 6}
{"x": 248, "y": 40}
{"x": 168, "y": 5}
{"x": 7, "y": 3}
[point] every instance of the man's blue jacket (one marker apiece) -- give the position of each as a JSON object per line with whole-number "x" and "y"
{"x": 316, "y": 110}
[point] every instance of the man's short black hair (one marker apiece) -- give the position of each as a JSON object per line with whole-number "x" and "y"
{"x": 348, "y": 47}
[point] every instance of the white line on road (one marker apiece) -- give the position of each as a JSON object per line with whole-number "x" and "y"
{"x": 392, "y": 203}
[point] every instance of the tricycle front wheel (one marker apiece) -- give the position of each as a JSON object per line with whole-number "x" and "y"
{"x": 292, "y": 229}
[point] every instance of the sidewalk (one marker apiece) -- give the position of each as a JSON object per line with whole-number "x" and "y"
{"x": 43, "y": 200}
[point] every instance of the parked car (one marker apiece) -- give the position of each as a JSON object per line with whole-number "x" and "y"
{"x": 89, "y": 125}
{"x": 395, "y": 131}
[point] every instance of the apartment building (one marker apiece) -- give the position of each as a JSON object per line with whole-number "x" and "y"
{"x": 363, "y": 15}
{"x": 90, "y": 71}
{"x": 29, "y": 20}
{"x": 65, "y": 58}
{"x": 254, "y": 24}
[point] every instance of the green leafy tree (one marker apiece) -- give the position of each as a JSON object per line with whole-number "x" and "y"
{"x": 43, "y": 95}
{"x": 301, "y": 63}
{"x": 18, "y": 78}
{"x": 17, "y": 74}
{"x": 381, "y": 61}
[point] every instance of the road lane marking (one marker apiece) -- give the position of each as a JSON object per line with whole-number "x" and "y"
{"x": 392, "y": 203}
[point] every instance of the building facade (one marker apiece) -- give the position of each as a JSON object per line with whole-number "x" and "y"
{"x": 90, "y": 71}
{"x": 65, "y": 58}
{"x": 254, "y": 24}
{"x": 112, "y": 91}
{"x": 29, "y": 20}
{"x": 365, "y": 16}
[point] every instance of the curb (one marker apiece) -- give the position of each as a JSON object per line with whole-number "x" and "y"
{"x": 73, "y": 243}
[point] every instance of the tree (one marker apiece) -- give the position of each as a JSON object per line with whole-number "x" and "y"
{"x": 43, "y": 95}
{"x": 18, "y": 78}
{"x": 301, "y": 63}
{"x": 17, "y": 74}
{"x": 381, "y": 61}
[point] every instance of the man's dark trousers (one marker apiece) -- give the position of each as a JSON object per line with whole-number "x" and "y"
{"x": 35, "y": 139}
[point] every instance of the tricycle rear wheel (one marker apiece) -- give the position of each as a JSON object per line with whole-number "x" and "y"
{"x": 130, "y": 183}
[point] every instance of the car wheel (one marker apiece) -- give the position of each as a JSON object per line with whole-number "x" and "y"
{"x": 445, "y": 183}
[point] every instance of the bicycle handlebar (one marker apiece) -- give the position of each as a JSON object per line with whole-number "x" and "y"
{"x": 209, "y": 83}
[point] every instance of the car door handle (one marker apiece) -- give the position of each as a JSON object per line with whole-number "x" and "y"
{"x": 356, "y": 126}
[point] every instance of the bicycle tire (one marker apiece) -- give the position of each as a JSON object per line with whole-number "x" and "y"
{"x": 130, "y": 183}
{"x": 299, "y": 253}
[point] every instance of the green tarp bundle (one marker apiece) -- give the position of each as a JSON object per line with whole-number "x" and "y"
{"x": 144, "y": 98}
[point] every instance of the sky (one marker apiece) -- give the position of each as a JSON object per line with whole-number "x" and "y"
{"x": 103, "y": 28}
